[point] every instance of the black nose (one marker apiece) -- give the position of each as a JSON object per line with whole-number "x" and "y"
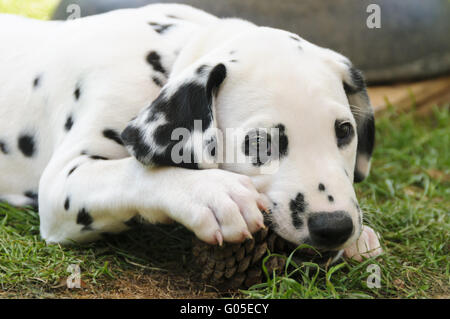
{"x": 330, "y": 229}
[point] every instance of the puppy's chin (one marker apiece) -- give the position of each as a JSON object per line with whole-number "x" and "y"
{"x": 320, "y": 257}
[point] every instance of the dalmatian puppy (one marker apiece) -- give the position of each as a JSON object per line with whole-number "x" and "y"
{"x": 89, "y": 107}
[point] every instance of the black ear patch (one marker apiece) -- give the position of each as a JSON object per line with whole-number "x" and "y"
{"x": 366, "y": 144}
{"x": 356, "y": 84}
{"x": 355, "y": 89}
{"x": 149, "y": 136}
{"x": 366, "y": 133}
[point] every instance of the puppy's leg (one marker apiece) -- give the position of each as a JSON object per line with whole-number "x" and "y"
{"x": 367, "y": 245}
{"x": 88, "y": 196}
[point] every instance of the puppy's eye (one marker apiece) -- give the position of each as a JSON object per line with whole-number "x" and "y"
{"x": 257, "y": 145}
{"x": 344, "y": 132}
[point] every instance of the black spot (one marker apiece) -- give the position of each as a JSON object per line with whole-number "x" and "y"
{"x": 134, "y": 222}
{"x": 330, "y": 198}
{"x": 282, "y": 140}
{"x": 211, "y": 146}
{"x": 201, "y": 69}
{"x": 37, "y": 81}
{"x": 234, "y": 61}
{"x": 171, "y": 16}
{"x": 157, "y": 81}
{"x": 94, "y": 157}
{"x": 298, "y": 204}
{"x": 160, "y": 28}
{"x": 212, "y": 152}
{"x": 85, "y": 219}
{"x": 26, "y": 145}
{"x": 296, "y": 220}
{"x": 232, "y": 52}
{"x": 112, "y": 135}
{"x": 321, "y": 187}
{"x": 32, "y": 195}
{"x": 293, "y": 37}
{"x": 215, "y": 79}
{"x": 98, "y": 157}
{"x": 297, "y": 207}
{"x": 257, "y": 144}
{"x": 3, "y": 148}
{"x": 77, "y": 93}
{"x": 69, "y": 123}
{"x": 133, "y": 138}
{"x": 34, "y": 199}
{"x": 154, "y": 59}
{"x": 67, "y": 203}
{"x": 72, "y": 170}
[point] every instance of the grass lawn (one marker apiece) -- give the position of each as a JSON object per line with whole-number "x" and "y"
{"x": 406, "y": 199}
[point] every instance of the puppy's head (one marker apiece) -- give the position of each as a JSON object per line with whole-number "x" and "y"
{"x": 268, "y": 104}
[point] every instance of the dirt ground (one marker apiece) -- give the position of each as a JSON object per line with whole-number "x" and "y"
{"x": 144, "y": 286}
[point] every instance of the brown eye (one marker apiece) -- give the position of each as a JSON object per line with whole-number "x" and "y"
{"x": 344, "y": 132}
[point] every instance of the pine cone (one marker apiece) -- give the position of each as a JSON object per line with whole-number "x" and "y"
{"x": 233, "y": 266}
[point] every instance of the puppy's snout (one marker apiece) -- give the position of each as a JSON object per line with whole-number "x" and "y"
{"x": 330, "y": 229}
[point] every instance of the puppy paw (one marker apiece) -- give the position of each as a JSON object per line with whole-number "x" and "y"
{"x": 223, "y": 206}
{"x": 367, "y": 245}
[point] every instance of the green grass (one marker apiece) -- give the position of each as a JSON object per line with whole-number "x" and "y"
{"x": 38, "y": 9}
{"x": 31, "y": 268}
{"x": 406, "y": 199}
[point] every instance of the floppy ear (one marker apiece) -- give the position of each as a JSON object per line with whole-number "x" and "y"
{"x": 355, "y": 89}
{"x": 178, "y": 128}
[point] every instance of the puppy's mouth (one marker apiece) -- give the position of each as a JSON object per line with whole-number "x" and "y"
{"x": 302, "y": 254}
{"x": 307, "y": 254}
